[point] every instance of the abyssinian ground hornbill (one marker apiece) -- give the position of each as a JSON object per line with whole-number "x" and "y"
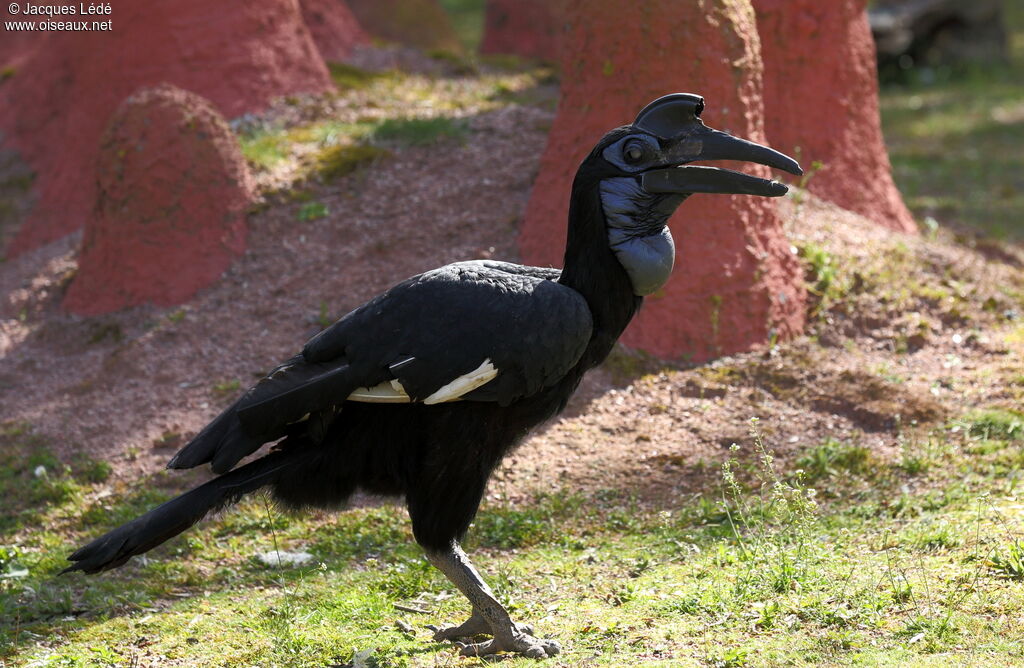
{"x": 421, "y": 391}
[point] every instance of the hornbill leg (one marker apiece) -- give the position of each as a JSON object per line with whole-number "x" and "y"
{"x": 487, "y": 611}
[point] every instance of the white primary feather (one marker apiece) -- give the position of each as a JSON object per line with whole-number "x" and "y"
{"x": 479, "y": 376}
{"x": 392, "y": 392}
{"x": 388, "y": 392}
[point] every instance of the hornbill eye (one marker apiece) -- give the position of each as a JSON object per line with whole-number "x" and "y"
{"x": 633, "y": 153}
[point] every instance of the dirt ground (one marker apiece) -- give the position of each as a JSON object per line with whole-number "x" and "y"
{"x": 910, "y": 331}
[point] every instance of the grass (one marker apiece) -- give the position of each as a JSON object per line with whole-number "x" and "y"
{"x": 410, "y": 110}
{"x": 821, "y": 276}
{"x": 335, "y": 162}
{"x": 226, "y": 388}
{"x": 955, "y": 141}
{"x": 908, "y": 569}
{"x": 312, "y": 211}
{"x": 418, "y": 131}
{"x": 264, "y": 149}
{"x": 341, "y": 148}
{"x": 467, "y": 17}
{"x": 350, "y": 77}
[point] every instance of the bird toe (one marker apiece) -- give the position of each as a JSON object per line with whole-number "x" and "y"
{"x": 467, "y": 630}
{"x": 478, "y": 648}
{"x": 520, "y": 643}
{"x": 551, "y": 647}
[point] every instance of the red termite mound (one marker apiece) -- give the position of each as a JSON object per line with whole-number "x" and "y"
{"x": 334, "y": 28}
{"x": 528, "y": 28}
{"x": 55, "y": 104}
{"x": 422, "y": 24}
{"x": 171, "y": 193}
{"x": 736, "y": 282}
{"x": 821, "y": 93}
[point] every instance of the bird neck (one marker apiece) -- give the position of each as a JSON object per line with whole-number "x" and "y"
{"x": 591, "y": 269}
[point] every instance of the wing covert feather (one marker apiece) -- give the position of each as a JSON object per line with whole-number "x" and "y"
{"x": 443, "y": 324}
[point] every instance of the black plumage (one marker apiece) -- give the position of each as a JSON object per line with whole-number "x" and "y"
{"x": 422, "y": 391}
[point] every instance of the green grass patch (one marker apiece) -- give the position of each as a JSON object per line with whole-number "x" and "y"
{"x": 893, "y": 568}
{"x": 31, "y": 478}
{"x": 833, "y": 458}
{"x": 328, "y": 133}
{"x": 264, "y": 149}
{"x": 467, "y": 17}
{"x": 1008, "y": 562}
{"x": 821, "y": 277}
{"x": 312, "y": 211}
{"x": 336, "y": 162}
{"x": 347, "y": 76}
{"x": 418, "y": 131}
{"x": 996, "y": 424}
{"x": 226, "y": 388}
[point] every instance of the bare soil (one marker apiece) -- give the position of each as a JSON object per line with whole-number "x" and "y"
{"x": 914, "y": 331}
{"x": 129, "y": 386}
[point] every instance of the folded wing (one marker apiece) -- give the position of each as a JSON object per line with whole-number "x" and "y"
{"x": 470, "y": 331}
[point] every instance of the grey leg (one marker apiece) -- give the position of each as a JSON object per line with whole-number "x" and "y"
{"x": 489, "y": 616}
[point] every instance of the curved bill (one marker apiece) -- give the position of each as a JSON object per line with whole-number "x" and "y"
{"x": 718, "y": 145}
{"x": 675, "y": 119}
{"x": 700, "y": 179}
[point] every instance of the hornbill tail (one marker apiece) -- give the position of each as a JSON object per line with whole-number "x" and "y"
{"x": 168, "y": 520}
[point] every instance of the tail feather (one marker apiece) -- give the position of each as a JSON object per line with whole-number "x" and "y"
{"x": 266, "y": 411}
{"x": 175, "y": 516}
{"x": 221, "y": 442}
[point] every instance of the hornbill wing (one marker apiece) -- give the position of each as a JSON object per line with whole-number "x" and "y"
{"x": 459, "y": 320}
{"x": 296, "y": 384}
{"x": 484, "y": 331}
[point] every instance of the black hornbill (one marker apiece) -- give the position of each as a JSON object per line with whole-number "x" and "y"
{"x": 421, "y": 391}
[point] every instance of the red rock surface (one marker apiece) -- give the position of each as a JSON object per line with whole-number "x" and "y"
{"x": 422, "y": 24}
{"x": 334, "y": 28}
{"x": 66, "y": 85}
{"x": 821, "y": 93}
{"x": 170, "y": 202}
{"x": 736, "y": 282}
{"x": 528, "y": 28}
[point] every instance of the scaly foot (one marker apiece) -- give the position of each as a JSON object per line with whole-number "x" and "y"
{"x": 517, "y": 643}
{"x": 474, "y": 626}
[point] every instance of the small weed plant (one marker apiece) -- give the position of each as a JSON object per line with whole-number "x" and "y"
{"x": 312, "y": 211}
{"x": 821, "y": 277}
{"x": 1009, "y": 562}
{"x": 772, "y": 527}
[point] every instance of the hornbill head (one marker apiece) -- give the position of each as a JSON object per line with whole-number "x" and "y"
{"x": 643, "y": 172}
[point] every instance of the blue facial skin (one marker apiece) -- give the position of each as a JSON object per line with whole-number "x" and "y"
{"x": 637, "y": 219}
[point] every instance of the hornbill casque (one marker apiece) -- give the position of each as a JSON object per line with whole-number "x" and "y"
{"x": 421, "y": 392}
